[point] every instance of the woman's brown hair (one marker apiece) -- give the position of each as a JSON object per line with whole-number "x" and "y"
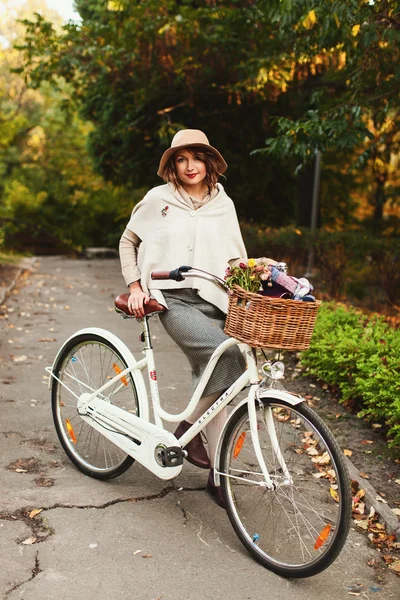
{"x": 209, "y": 159}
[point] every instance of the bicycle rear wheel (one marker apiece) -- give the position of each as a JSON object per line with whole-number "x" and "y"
{"x": 299, "y": 528}
{"x": 85, "y": 364}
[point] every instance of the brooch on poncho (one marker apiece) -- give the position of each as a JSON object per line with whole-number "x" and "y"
{"x": 164, "y": 211}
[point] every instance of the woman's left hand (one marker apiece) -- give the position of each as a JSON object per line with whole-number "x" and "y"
{"x": 266, "y": 261}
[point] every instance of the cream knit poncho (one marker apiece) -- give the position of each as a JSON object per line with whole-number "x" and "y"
{"x": 172, "y": 233}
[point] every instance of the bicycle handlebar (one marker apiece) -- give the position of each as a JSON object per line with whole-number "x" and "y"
{"x": 178, "y": 275}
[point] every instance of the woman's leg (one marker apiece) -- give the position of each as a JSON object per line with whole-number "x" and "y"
{"x": 197, "y": 328}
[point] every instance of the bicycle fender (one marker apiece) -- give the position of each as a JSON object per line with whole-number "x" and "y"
{"x": 128, "y": 357}
{"x": 268, "y": 393}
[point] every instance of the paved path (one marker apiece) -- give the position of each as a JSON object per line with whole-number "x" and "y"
{"x": 135, "y": 537}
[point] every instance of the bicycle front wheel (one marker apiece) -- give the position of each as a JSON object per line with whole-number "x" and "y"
{"x": 86, "y": 363}
{"x": 298, "y": 528}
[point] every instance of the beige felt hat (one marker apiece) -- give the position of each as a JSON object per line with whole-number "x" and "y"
{"x": 190, "y": 137}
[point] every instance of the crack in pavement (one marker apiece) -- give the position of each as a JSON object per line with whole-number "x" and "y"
{"x": 41, "y": 532}
{"x": 185, "y": 517}
{"x": 35, "y": 571}
{"x": 37, "y": 526}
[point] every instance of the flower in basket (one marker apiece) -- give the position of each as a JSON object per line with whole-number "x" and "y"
{"x": 250, "y": 277}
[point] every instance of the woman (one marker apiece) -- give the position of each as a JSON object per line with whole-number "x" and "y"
{"x": 188, "y": 221}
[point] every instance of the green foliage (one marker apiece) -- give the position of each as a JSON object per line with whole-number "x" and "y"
{"x": 299, "y": 75}
{"x": 360, "y": 357}
{"x": 141, "y": 70}
{"x": 349, "y": 53}
{"x": 51, "y": 200}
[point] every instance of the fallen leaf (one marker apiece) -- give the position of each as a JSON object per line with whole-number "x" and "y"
{"x": 312, "y": 451}
{"x": 21, "y": 470}
{"x": 147, "y": 556}
{"x": 359, "y": 509}
{"x": 395, "y": 566}
{"x": 20, "y": 358}
{"x": 29, "y": 541}
{"x": 396, "y": 511}
{"x": 137, "y": 552}
{"x": 46, "y": 339}
{"x": 397, "y": 481}
{"x": 362, "y": 524}
{"x": 381, "y": 499}
{"x": 364, "y": 475}
{"x": 35, "y": 512}
{"x": 377, "y": 528}
{"x": 322, "y": 460}
{"x": 367, "y": 442}
{"x": 376, "y": 425}
{"x": 334, "y": 494}
{"x": 347, "y": 452}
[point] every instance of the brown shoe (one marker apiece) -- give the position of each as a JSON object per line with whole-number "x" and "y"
{"x": 215, "y": 490}
{"x": 197, "y": 454}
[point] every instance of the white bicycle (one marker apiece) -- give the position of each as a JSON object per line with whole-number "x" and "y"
{"x": 284, "y": 480}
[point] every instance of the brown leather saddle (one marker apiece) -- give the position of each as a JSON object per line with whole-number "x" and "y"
{"x": 152, "y": 308}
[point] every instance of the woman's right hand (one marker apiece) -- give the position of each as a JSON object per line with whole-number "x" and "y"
{"x": 137, "y": 298}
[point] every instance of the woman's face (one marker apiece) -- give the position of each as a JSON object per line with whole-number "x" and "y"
{"x": 190, "y": 168}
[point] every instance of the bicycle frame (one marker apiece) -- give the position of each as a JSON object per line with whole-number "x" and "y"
{"x": 140, "y": 438}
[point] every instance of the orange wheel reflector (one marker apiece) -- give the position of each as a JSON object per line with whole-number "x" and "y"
{"x": 323, "y": 536}
{"x": 118, "y": 371}
{"x": 239, "y": 444}
{"x": 71, "y": 431}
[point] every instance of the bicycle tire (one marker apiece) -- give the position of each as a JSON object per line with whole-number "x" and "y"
{"x": 85, "y": 363}
{"x": 299, "y": 528}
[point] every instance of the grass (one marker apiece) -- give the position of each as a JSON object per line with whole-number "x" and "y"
{"x": 10, "y": 258}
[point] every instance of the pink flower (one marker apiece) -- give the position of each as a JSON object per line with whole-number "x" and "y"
{"x": 264, "y": 276}
{"x": 228, "y": 271}
{"x": 243, "y": 265}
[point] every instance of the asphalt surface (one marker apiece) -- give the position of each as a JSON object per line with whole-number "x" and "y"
{"x": 134, "y": 537}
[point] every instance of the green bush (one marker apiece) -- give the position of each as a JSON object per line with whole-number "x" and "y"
{"x": 361, "y": 356}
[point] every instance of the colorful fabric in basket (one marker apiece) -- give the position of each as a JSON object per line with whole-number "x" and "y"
{"x": 285, "y": 286}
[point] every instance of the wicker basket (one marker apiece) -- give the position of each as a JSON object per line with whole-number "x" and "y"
{"x": 264, "y": 322}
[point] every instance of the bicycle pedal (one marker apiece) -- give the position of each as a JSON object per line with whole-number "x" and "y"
{"x": 172, "y": 456}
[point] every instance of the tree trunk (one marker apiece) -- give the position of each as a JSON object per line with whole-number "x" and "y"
{"x": 304, "y": 196}
{"x": 379, "y": 203}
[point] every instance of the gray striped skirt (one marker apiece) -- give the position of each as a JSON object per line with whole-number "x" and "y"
{"x": 196, "y": 326}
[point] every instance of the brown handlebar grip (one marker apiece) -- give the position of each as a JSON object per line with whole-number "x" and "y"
{"x": 160, "y": 275}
